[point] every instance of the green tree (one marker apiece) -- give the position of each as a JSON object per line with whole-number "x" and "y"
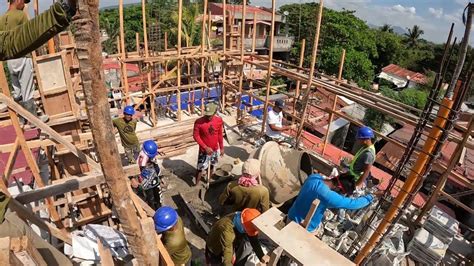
{"x": 386, "y": 28}
{"x": 389, "y": 49}
{"x": 190, "y": 28}
{"x": 339, "y": 29}
{"x": 413, "y": 35}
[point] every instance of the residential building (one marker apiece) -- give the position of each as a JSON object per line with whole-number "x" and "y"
{"x": 282, "y": 41}
{"x": 402, "y": 77}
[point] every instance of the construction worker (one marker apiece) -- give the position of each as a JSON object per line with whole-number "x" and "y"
{"x": 208, "y": 134}
{"x": 247, "y": 192}
{"x": 148, "y": 183}
{"x": 29, "y": 36}
{"x": 275, "y": 127}
{"x": 126, "y": 127}
{"x": 327, "y": 191}
{"x": 228, "y": 234}
{"x": 364, "y": 158}
{"x": 11, "y": 225}
{"x": 170, "y": 226}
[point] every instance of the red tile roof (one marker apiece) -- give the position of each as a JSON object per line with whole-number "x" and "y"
{"x": 390, "y": 155}
{"x": 403, "y": 73}
{"x": 22, "y": 172}
{"x": 216, "y": 9}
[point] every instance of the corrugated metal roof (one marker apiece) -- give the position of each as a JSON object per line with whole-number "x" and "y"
{"x": 404, "y": 73}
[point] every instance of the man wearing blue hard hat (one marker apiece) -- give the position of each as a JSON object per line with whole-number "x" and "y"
{"x": 126, "y": 127}
{"x": 364, "y": 158}
{"x": 170, "y": 226}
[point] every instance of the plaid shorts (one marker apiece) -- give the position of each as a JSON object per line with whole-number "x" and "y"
{"x": 203, "y": 160}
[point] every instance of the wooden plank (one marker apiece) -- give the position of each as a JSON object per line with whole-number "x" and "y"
{"x": 296, "y": 242}
{"x": 231, "y": 129}
{"x": 70, "y": 184}
{"x": 27, "y": 214}
{"x": 11, "y": 160}
{"x": 164, "y": 255}
{"x": 48, "y": 130}
{"x": 105, "y": 254}
{"x": 24, "y": 250}
{"x": 310, "y": 213}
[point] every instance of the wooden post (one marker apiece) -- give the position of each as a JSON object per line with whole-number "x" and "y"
{"x": 224, "y": 48}
{"x": 178, "y": 91}
{"x": 270, "y": 65}
{"x": 203, "y": 29}
{"x": 150, "y": 65}
{"x": 224, "y": 25}
{"x": 137, "y": 41}
{"x": 166, "y": 41}
{"x": 298, "y": 82}
{"x": 311, "y": 73}
{"x": 242, "y": 52}
{"x": 20, "y": 137}
{"x": 254, "y": 42}
{"x": 123, "y": 54}
{"x": 331, "y": 115}
{"x": 442, "y": 180}
{"x": 89, "y": 51}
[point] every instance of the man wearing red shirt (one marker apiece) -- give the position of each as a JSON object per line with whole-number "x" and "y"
{"x": 208, "y": 135}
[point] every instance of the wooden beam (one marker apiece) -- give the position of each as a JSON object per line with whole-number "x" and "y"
{"x": 242, "y": 51}
{"x": 180, "y": 23}
{"x": 270, "y": 64}
{"x": 311, "y": 72}
{"x": 334, "y": 103}
{"x": 89, "y": 51}
{"x": 298, "y": 82}
{"x": 11, "y": 159}
{"x": 48, "y": 130}
{"x": 27, "y": 214}
{"x": 123, "y": 52}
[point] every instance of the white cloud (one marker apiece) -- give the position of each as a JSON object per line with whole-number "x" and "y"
{"x": 438, "y": 13}
{"x": 455, "y": 16}
{"x": 409, "y": 10}
{"x": 462, "y": 2}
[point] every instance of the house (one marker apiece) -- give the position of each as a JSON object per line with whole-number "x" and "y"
{"x": 402, "y": 77}
{"x": 282, "y": 42}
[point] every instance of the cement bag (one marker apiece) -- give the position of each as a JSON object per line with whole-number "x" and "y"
{"x": 83, "y": 247}
{"x": 392, "y": 249}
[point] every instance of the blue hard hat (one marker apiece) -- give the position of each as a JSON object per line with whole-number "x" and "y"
{"x": 128, "y": 110}
{"x": 150, "y": 148}
{"x": 165, "y": 218}
{"x": 365, "y": 133}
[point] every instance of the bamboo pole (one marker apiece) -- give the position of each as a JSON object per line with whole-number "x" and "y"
{"x": 150, "y": 65}
{"x": 311, "y": 72}
{"x": 413, "y": 178}
{"x": 270, "y": 64}
{"x": 180, "y": 23}
{"x": 203, "y": 28}
{"x": 242, "y": 52}
{"x": 203, "y": 49}
{"x": 442, "y": 180}
{"x": 123, "y": 52}
{"x": 89, "y": 51}
{"x": 298, "y": 83}
{"x": 224, "y": 48}
{"x": 331, "y": 115}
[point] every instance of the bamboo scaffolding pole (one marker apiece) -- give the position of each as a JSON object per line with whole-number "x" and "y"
{"x": 123, "y": 53}
{"x": 180, "y": 25}
{"x": 224, "y": 24}
{"x": 204, "y": 32}
{"x": 224, "y": 49}
{"x": 331, "y": 115}
{"x": 441, "y": 182}
{"x": 270, "y": 64}
{"x": 311, "y": 71}
{"x": 298, "y": 83}
{"x": 149, "y": 65}
{"x": 242, "y": 52}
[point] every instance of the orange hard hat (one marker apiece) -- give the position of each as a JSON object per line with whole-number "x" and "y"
{"x": 247, "y": 216}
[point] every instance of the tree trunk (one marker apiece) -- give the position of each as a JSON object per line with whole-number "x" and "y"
{"x": 89, "y": 50}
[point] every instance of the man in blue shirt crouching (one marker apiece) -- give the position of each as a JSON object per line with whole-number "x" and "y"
{"x": 327, "y": 191}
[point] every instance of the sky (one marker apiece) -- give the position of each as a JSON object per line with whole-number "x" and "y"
{"x": 433, "y": 16}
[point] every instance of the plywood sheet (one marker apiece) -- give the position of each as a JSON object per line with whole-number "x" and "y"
{"x": 297, "y": 243}
{"x": 51, "y": 71}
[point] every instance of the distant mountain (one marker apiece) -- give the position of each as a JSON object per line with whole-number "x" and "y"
{"x": 399, "y": 30}
{"x": 396, "y": 29}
